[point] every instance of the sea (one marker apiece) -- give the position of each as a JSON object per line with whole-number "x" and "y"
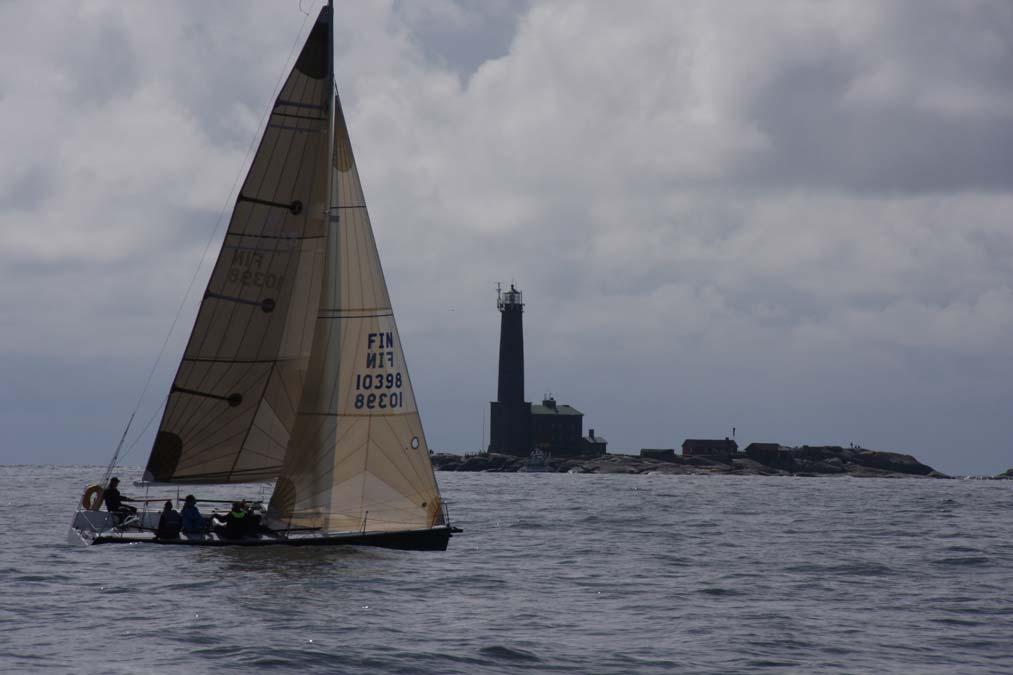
{"x": 554, "y": 573}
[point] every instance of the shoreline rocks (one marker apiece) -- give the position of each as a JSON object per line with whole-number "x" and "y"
{"x": 817, "y": 461}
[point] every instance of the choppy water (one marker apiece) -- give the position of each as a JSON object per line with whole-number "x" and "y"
{"x": 554, "y": 573}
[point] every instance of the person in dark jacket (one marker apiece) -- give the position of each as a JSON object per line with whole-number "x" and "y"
{"x": 252, "y": 527}
{"x": 114, "y": 501}
{"x": 193, "y": 521}
{"x": 169, "y": 523}
{"x": 234, "y": 526}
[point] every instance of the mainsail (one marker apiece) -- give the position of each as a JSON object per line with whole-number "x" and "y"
{"x": 294, "y": 370}
{"x": 358, "y": 457}
{"x": 233, "y": 402}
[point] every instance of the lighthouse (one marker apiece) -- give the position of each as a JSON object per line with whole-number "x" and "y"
{"x": 516, "y": 426}
{"x": 510, "y": 415}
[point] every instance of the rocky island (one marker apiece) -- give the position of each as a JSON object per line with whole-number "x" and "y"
{"x": 802, "y": 461}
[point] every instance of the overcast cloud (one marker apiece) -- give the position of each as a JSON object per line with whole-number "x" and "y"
{"x": 792, "y": 218}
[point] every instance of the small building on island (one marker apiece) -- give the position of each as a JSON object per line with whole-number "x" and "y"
{"x": 555, "y": 426}
{"x": 594, "y": 445}
{"x": 770, "y": 454}
{"x": 705, "y": 447}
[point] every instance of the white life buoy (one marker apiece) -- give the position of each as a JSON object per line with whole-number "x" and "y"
{"x": 92, "y": 499}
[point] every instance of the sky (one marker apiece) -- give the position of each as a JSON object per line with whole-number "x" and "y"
{"x": 790, "y": 218}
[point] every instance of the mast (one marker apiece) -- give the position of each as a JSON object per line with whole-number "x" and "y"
{"x": 333, "y": 85}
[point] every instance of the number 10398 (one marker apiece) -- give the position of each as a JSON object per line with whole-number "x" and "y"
{"x": 384, "y": 400}
{"x": 378, "y": 381}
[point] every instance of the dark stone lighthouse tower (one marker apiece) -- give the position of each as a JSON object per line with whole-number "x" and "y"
{"x": 510, "y": 416}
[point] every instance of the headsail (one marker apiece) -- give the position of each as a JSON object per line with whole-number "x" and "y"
{"x": 233, "y": 402}
{"x": 358, "y": 458}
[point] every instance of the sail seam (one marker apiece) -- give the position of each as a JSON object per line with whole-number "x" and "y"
{"x": 260, "y": 249}
{"x": 286, "y": 127}
{"x": 300, "y": 117}
{"x": 294, "y": 104}
{"x": 217, "y": 476}
{"x": 355, "y": 309}
{"x": 344, "y": 315}
{"x": 276, "y": 236}
{"x": 200, "y": 359}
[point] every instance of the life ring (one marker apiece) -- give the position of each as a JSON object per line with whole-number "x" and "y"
{"x": 92, "y": 498}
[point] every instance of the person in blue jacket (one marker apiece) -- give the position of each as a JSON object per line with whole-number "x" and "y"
{"x": 193, "y": 521}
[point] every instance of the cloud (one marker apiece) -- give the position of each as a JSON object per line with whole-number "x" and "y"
{"x": 790, "y": 218}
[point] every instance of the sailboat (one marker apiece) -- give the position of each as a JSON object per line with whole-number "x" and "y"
{"x": 294, "y": 371}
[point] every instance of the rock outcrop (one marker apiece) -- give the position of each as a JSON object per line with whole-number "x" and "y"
{"x": 803, "y": 461}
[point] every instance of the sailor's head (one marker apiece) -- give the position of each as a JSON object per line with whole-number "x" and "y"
{"x": 168, "y": 505}
{"x": 236, "y": 507}
{"x": 190, "y": 499}
{"x": 114, "y": 481}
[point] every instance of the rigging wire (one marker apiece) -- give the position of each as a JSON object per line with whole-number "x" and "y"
{"x": 214, "y": 235}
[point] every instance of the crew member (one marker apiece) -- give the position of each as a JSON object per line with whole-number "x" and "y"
{"x": 234, "y": 526}
{"x": 114, "y": 501}
{"x": 252, "y": 526}
{"x": 169, "y": 523}
{"x": 193, "y": 521}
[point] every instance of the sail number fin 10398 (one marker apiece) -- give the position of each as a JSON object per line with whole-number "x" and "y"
{"x": 380, "y": 390}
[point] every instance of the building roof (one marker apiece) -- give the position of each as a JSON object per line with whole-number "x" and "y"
{"x": 550, "y": 407}
{"x": 709, "y": 443}
{"x": 764, "y": 447}
{"x": 538, "y": 409}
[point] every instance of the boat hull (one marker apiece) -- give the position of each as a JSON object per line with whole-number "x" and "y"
{"x": 431, "y": 539}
